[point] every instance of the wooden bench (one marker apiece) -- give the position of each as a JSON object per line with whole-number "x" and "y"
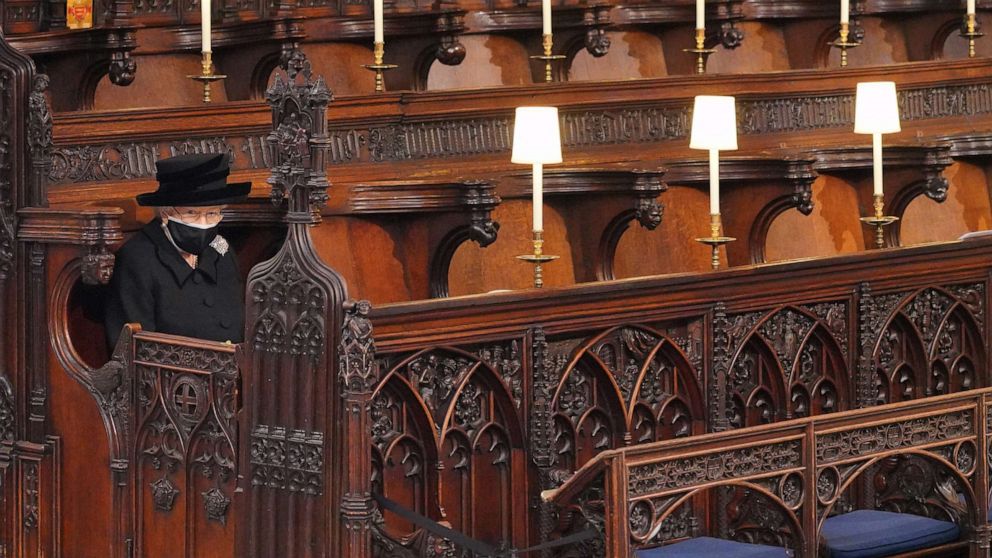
{"x": 908, "y": 477}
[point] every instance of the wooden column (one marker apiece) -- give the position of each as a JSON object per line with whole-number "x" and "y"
{"x": 292, "y": 440}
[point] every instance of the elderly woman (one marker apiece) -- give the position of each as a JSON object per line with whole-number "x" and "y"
{"x": 177, "y": 275}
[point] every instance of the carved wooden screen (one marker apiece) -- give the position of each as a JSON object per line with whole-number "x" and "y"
{"x": 626, "y": 385}
{"x": 448, "y": 442}
{"x": 185, "y": 436}
{"x": 925, "y": 342}
{"x": 785, "y": 363}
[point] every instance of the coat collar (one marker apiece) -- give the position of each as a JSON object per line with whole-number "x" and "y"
{"x": 169, "y": 255}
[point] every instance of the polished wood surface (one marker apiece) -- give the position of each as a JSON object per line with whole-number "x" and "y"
{"x": 458, "y": 390}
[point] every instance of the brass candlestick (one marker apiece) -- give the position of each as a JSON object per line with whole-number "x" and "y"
{"x": 970, "y": 31}
{"x": 701, "y": 52}
{"x": 207, "y": 75}
{"x": 715, "y": 239}
{"x": 548, "y": 42}
{"x": 377, "y": 66}
{"x": 879, "y": 220}
{"x": 538, "y": 258}
{"x": 843, "y": 43}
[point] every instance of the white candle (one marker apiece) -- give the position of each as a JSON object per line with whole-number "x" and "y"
{"x": 546, "y": 15}
{"x": 971, "y": 7}
{"x": 876, "y": 156}
{"x": 845, "y": 11}
{"x": 377, "y": 20}
{"x": 714, "y": 182}
{"x": 700, "y": 14}
{"x": 205, "y": 25}
{"x": 538, "y": 197}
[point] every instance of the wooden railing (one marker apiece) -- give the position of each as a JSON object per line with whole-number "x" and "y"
{"x": 927, "y": 457}
{"x": 473, "y": 389}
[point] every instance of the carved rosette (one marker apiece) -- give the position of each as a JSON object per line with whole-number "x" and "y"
{"x": 164, "y": 494}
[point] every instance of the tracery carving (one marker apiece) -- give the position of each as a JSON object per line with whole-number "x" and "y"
{"x": 681, "y": 472}
{"x": 834, "y": 316}
{"x": 288, "y": 289}
{"x": 31, "y": 492}
{"x": 505, "y": 359}
{"x": 290, "y": 460}
{"x": 358, "y": 367}
{"x": 863, "y": 442}
{"x": 164, "y": 494}
{"x": 7, "y": 215}
{"x": 39, "y": 120}
{"x": 929, "y": 343}
{"x": 6, "y": 410}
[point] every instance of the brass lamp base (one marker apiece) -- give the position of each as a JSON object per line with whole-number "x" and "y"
{"x": 207, "y": 76}
{"x": 377, "y": 66}
{"x": 715, "y": 240}
{"x": 547, "y": 57}
{"x": 879, "y": 221}
{"x": 538, "y": 258}
{"x": 702, "y": 53}
{"x": 843, "y": 43}
{"x": 970, "y": 31}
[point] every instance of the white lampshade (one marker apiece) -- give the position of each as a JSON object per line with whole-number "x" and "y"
{"x": 714, "y": 123}
{"x": 536, "y": 136}
{"x": 876, "y": 108}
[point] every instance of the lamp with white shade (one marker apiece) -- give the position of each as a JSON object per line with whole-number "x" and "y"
{"x": 714, "y": 128}
{"x": 537, "y": 142}
{"x": 876, "y": 112}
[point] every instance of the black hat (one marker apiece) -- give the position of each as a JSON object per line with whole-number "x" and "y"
{"x": 192, "y": 180}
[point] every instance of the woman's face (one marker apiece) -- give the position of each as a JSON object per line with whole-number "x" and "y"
{"x": 199, "y": 215}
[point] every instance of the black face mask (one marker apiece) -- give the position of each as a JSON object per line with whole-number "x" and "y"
{"x": 191, "y": 238}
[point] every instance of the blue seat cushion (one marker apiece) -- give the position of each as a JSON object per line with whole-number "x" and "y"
{"x": 707, "y": 547}
{"x": 868, "y": 533}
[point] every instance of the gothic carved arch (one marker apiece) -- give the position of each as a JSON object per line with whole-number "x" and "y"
{"x": 955, "y": 497}
{"x": 940, "y": 37}
{"x": 452, "y": 420}
{"x": 785, "y": 363}
{"x": 930, "y": 343}
{"x": 628, "y": 384}
{"x": 759, "y": 515}
{"x": 934, "y": 187}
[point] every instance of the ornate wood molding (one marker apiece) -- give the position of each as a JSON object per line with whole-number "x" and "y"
{"x": 95, "y": 229}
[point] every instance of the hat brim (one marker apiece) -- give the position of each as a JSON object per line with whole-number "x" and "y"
{"x": 232, "y": 193}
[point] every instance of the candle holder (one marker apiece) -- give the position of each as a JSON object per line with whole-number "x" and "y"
{"x": 879, "y": 220}
{"x": 547, "y": 57}
{"x": 701, "y": 52}
{"x": 538, "y": 258}
{"x": 844, "y": 43}
{"x": 970, "y": 31}
{"x": 207, "y": 75}
{"x": 377, "y": 65}
{"x": 715, "y": 240}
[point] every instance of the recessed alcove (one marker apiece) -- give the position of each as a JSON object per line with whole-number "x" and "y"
{"x": 490, "y": 61}
{"x": 762, "y": 50}
{"x": 831, "y": 230}
{"x": 340, "y": 64}
{"x": 478, "y": 270}
{"x": 966, "y": 208}
{"x": 160, "y": 81}
{"x": 632, "y": 54}
{"x": 670, "y": 248}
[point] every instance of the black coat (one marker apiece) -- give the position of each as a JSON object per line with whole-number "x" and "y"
{"x": 153, "y": 285}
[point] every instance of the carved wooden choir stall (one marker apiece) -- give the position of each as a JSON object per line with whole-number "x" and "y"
{"x": 397, "y": 360}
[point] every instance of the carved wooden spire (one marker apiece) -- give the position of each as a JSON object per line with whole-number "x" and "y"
{"x": 297, "y": 412}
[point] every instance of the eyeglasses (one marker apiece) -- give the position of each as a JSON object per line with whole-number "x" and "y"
{"x": 190, "y": 215}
